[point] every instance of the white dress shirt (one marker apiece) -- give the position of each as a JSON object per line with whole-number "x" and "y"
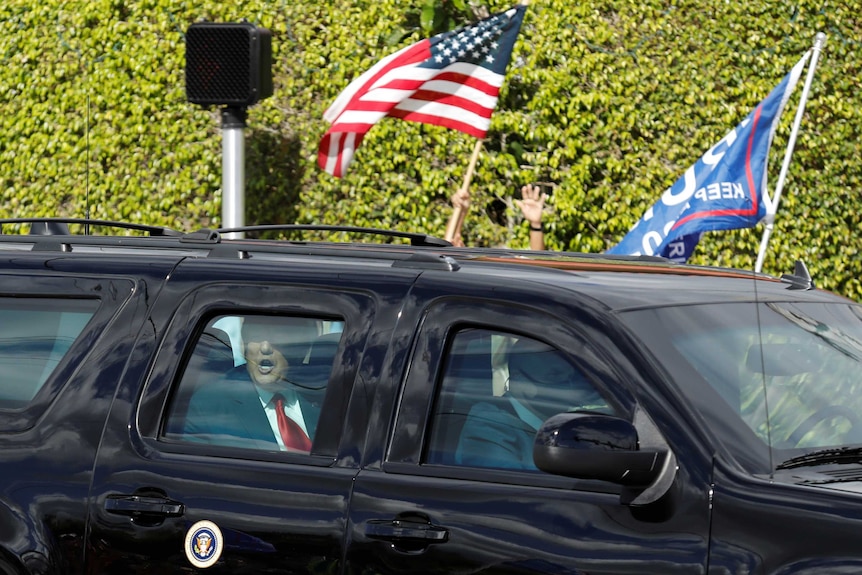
{"x": 291, "y": 409}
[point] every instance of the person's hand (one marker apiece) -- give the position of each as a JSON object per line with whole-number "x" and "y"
{"x": 531, "y": 204}
{"x": 461, "y": 199}
{"x": 461, "y": 204}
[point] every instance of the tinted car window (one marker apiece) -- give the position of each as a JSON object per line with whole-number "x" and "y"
{"x": 245, "y": 372}
{"x": 35, "y": 334}
{"x": 496, "y": 391}
{"x": 787, "y": 373}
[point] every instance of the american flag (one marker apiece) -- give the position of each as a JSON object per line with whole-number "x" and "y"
{"x": 452, "y": 80}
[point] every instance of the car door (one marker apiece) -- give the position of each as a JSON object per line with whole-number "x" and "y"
{"x": 57, "y": 368}
{"x": 167, "y": 500}
{"x": 425, "y": 507}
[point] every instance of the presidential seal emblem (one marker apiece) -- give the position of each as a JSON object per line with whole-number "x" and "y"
{"x": 204, "y": 544}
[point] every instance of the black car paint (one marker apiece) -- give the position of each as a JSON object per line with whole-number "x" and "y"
{"x": 368, "y": 503}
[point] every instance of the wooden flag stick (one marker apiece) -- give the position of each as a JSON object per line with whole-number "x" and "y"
{"x": 456, "y": 220}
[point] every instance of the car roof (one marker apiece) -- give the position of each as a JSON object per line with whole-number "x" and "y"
{"x": 618, "y": 282}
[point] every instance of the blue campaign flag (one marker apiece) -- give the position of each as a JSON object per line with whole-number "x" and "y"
{"x": 724, "y": 190}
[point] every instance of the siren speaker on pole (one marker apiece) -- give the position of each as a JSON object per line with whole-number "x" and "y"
{"x": 228, "y": 64}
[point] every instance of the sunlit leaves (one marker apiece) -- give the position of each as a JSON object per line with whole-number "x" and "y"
{"x": 609, "y": 102}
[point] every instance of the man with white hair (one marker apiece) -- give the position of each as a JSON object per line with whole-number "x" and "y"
{"x": 261, "y": 404}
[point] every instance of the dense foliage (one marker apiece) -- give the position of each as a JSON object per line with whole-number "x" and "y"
{"x": 608, "y": 101}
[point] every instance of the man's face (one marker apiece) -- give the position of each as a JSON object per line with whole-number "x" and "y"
{"x": 544, "y": 381}
{"x": 265, "y": 364}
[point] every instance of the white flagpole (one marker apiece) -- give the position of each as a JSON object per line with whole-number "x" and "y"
{"x": 769, "y": 220}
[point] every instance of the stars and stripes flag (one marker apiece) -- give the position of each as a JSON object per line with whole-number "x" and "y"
{"x": 452, "y": 80}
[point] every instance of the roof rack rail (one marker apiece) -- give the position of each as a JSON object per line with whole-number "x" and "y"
{"x": 416, "y": 239}
{"x": 58, "y": 226}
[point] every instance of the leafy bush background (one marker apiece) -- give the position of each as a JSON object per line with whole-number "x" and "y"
{"x": 608, "y": 101}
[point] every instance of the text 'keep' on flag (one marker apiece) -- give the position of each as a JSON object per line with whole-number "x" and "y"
{"x": 725, "y": 189}
{"x": 452, "y": 80}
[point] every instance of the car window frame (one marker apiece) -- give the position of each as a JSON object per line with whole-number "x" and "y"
{"x": 354, "y": 307}
{"x": 111, "y": 294}
{"x": 441, "y": 320}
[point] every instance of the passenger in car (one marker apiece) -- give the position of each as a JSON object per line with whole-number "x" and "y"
{"x": 500, "y": 432}
{"x": 257, "y": 404}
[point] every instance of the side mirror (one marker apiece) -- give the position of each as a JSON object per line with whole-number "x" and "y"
{"x": 595, "y": 446}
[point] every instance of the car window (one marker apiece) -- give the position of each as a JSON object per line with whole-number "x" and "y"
{"x": 781, "y": 375}
{"x": 497, "y": 389}
{"x": 35, "y": 334}
{"x": 256, "y": 382}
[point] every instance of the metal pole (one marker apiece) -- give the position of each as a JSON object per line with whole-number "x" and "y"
{"x": 819, "y": 40}
{"x": 233, "y": 170}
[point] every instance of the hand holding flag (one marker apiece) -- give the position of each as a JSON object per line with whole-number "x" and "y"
{"x": 451, "y": 80}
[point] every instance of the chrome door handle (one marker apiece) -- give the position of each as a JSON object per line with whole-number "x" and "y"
{"x": 398, "y": 530}
{"x": 137, "y": 505}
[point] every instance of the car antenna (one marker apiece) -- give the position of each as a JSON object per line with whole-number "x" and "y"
{"x": 87, "y": 171}
{"x": 800, "y": 279}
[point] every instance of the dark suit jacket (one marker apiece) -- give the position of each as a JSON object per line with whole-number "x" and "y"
{"x": 494, "y": 436}
{"x": 228, "y": 412}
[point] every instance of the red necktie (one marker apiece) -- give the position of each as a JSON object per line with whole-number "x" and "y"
{"x": 292, "y": 434}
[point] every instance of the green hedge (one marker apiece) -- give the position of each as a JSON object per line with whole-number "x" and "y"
{"x": 609, "y": 101}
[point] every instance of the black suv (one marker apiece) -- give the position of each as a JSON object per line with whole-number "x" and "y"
{"x": 452, "y": 410}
